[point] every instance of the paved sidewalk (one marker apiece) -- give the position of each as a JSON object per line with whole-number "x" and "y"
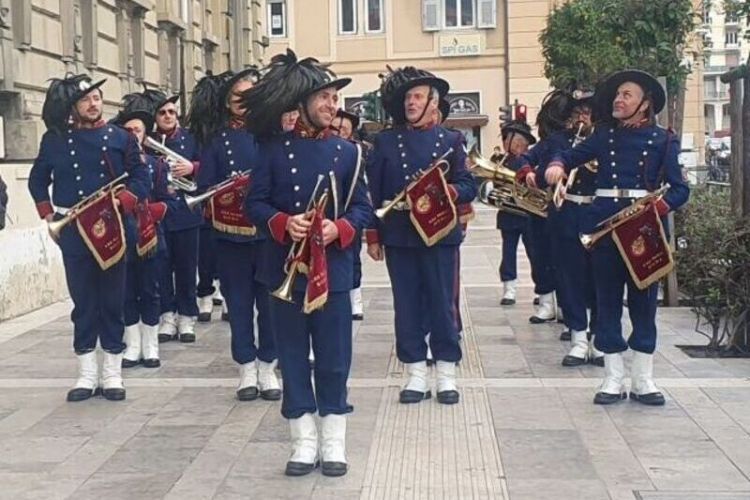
{"x": 525, "y": 427}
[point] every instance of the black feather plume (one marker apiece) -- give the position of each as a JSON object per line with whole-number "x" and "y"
{"x": 205, "y": 115}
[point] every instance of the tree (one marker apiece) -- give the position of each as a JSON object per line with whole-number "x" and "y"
{"x": 585, "y": 40}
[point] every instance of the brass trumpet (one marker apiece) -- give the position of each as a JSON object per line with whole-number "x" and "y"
{"x": 55, "y": 227}
{"x": 621, "y": 217}
{"x": 291, "y": 266}
{"x": 181, "y": 183}
{"x": 194, "y": 201}
{"x": 506, "y": 193}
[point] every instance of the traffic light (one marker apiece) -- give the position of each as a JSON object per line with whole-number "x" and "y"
{"x": 506, "y": 113}
{"x": 520, "y": 114}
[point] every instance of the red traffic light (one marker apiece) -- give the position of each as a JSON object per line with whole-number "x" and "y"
{"x": 520, "y": 114}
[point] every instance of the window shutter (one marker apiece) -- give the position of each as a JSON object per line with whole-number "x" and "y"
{"x": 430, "y": 15}
{"x": 487, "y": 13}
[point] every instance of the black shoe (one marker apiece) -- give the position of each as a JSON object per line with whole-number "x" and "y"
{"x": 187, "y": 338}
{"x": 430, "y": 361}
{"x": 129, "y": 363}
{"x": 333, "y": 469}
{"x": 298, "y": 468}
{"x": 271, "y": 394}
{"x": 569, "y": 360}
{"x": 565, "y": 335}
{"x": 597, "y": 361}
{"x": 116, "y": 394}
{"x": 152, "y": 363}
{"x": 651, "y": 399}
{"x": 247, "y": 393}
{"x": 358, "y": 317}
{"x": 536, "y": 301}
{"x": 80, "y": 394}
{"x": 217, "y": 302}
{"x": 536, "y": 320}
{"x": 447, "y": 397}
{"x": 165, "y": 337}
{"x": 204, "y": 317}
{"x": 605, "y": 398}
{"x": 408, "y": 396}
{"x": 507, "y": 302}
{"x": 225, "y": 316}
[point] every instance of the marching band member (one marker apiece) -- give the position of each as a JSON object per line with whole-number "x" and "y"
{"x": 179, "y": 263}
{"x": 421, "y": 256}
{"x": 635, "y": 157}
{"x": 147, "y": 239}
{"x": 575, "y": 286}
{"x": 344, "y": 125}
{"x": 239, "y": 246}
{"x": 308, "y": 189}
{"x": 78, "y": 156}
{"x": 517, "y": 138}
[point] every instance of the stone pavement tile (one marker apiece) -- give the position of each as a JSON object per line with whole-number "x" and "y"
{"x": 36, "y": 486}
{"x": 271, "y": 428}
{"x": 243, "y": 487}
{"x": 378, "y": 318}
{"x": 734, "y": 401}
{"x": 494, "y": 332}
{"x": 265, "y": 462}
{"x": 614, "y": 462}
{"x": 36, "y": 454}
{"x": 322, "y": 493}
{"x": 27, "y": 407}
{"x": 206, "y": 473}
{"x": 693, "y": 495}
{"x": 197, "y": 406}
{"x": 545, "y": 362}
{"x": 528, "y": 409}
{"x": 19, "y": 344}
{"x": 504, "y": 362}
{"x": 127, "y": 485}
{"x": 545, "y": 454}
{"x": 370, "y": 359}
{"x": 556, "y": 489}
{"x": 77, "y": 420}
{"x": 166, "y": 448}
{"x": 733, "y": 440}
{"x": 488, "y": 316}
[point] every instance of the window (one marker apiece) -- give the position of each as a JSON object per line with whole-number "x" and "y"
{"x": 277, "y": 18}
{"x": 730, "y": 38}
{"x": 458, "y": 13}
{"x": 185, "y": 11}
{"x": 374, "y": 18}
{"x": 347, "y": 17}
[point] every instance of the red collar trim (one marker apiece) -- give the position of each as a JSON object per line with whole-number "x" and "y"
{"x": 307, "y": 132}
{"x": 236, "y": 122}
{"x": 99, "y": 124}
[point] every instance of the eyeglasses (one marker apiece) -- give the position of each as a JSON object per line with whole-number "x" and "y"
{"x": 163, "y": 112}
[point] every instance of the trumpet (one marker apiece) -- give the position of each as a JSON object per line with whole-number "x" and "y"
{"x": 501, "y": 190}
{"x": 181, "y": 183}
{"x": 618, "y": 219}
{"x": 55, "y": 227}
{"x": 383, "y": 211}
{"x": 291, "y": 266}
{"x": 193, "y": 201}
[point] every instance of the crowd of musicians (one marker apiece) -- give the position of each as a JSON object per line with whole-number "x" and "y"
{"x": 262, "y": 196}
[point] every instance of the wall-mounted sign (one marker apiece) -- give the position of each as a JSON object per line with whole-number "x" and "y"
{"x": 464, "y": 103}
{"x": 460, "y": 45}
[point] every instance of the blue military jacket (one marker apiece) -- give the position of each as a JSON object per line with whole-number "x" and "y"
{"x": 506, "y": 221}
{"x": 180, "y": 217}
{"x": 282, "y": 184}
{"x": 230, "y": 151}
{"x": 543, "y": 152}
{"x": 629, "y": 158}
{"x": 79, "y": 162}
{"x": 397, "y": 155}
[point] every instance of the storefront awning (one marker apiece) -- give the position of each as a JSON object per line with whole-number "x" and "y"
{"x": 467, "y": 121}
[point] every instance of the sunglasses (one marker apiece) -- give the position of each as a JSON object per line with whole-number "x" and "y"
{"x": 164, "y": 112}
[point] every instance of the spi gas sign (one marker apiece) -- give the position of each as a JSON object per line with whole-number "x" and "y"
{"x": 460, "y": 45}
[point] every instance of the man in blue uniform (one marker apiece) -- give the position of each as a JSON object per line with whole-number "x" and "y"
{"x": 78, "y": 155}
{"x": 239, "y": 245}
{"x": 179, "y": 263}
{"x": 517, "y": 138}
{"x": 421, "y": 276}
{"x": 291, "y": 166}
{"x": 635, "y": 156}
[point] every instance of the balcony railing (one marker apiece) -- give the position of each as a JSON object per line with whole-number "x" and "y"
{"x": 715, "y": 94}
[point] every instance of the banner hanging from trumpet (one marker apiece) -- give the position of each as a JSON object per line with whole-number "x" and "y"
{"x": 644, "y": 248}
{"x": 100, "y": 226}
{"x": 227, "y": 208}
{"x": 316, "y": 263}
{"x": 148, "y": 215}
{"x": 431, "y": 207}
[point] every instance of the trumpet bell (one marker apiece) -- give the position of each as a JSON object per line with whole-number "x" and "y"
{"x": 56, "y": 226}
{"x": 284, "y": 292}
{"x": 194, "y": 201}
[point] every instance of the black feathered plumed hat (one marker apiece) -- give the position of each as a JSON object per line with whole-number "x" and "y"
{"x": 396, "y": 83}
{"x": 206, "y": 113}
{"x": 352, "y": 117}
{"x": 62, "y": 94}
{"x": 519, "y": 127}
{"x": 229, "y": 79}
{"x": 285, "y": 83}
{"x": 652, "y": 89}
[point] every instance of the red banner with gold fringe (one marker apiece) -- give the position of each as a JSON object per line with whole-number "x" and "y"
{"x": 100, "y": 226}
{"x": 316, "y": 293}
{"x": 431, "y": 208}
{"x": 227, "y": 208}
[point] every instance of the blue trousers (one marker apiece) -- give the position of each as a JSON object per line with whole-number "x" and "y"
{"x": 238, "y": 268}
{"x": 575, "y": 282}
{"x": 423, "y": 281}
{"x": 177, "y": 272}
{"x": 611, "y": 277}
{"x": 330, "y": 330}
{"x": 542, "y": 260}
{"x": 142, "y": 291}
{"x": 357, "y": 249}
{"x": 98, "y": 301}
{"x": 206, "y": 262}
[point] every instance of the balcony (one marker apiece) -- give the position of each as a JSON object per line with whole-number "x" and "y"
{"x": 715, "y": 95}
{"x": 715, "y": 70}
